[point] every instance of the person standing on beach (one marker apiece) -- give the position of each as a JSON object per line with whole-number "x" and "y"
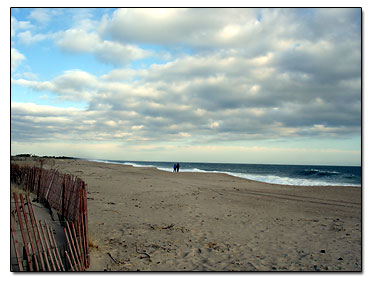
{"x": 177, "y": 167}
{"x": 174, "y": 167}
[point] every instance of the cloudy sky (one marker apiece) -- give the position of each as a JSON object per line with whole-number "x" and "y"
{"x": 206, "y": 85}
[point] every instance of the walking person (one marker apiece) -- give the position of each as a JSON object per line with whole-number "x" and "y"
{"x": 177, "y": 167}
{"x": 174, "y": 167}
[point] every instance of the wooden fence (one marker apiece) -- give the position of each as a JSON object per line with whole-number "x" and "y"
{"x": 67, "y": 195}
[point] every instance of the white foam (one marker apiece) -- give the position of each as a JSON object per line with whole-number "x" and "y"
{"x": 323, "y": 171}
{"x": 165, "y": 169}
{"x": 103, "y": 161}
{"x": 137, "y": 165}
{"x": 288, "y": 181}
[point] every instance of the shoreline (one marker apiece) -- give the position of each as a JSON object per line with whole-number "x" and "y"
{"x": 237, "y": 175}
{"x": 215, "y": 222}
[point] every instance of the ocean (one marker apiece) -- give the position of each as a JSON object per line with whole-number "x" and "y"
{"x": 305, "y": 175}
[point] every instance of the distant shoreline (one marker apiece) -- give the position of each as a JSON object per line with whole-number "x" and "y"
{"x": 159, "y": 165}
{"x": 275, "y": 178}
{"x": 15, "y": 157}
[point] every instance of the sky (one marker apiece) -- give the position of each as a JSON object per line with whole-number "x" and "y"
{"x": 261, "y": 85}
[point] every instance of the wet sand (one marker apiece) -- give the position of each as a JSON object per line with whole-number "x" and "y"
{"x": 144, "y": 219}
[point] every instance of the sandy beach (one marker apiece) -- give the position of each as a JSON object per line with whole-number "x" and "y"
{"x": 144, "y": 219}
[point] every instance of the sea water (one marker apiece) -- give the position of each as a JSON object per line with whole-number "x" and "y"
{"x": 305, "y": 175}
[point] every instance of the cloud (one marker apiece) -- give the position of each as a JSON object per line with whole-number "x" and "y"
{"x": 126, "y": 74}
{"x": 198, "y": 27}
{"x": 250, "y": 32}
{"x": 16, "y": 58}
{"x": 19, "y": 25}
{"x": 210, "y": 99}
{"x": 118, "y": 54}
{"x": 246, "y": 32}
{"x": 30, "y": 75}
{"x": 73, "y": 85}
{"x": 27, "y": 38}
{"x": 46, "y": 120}
{"x": 40, "y": 15}
{"x": 79, "y": 40}
{"x": 240, "y": 75}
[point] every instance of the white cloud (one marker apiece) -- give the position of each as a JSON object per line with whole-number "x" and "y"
{"x": 204, "y": 29}
{"x": 75, "y": 85}
{"x": 193, "y": 95}
{"x": 79, "y": 40}
{"x": 30, "y": 75}
{"x": 230, "y": 31}
{"x": 27, "y": 38}
{"x": 214, "y": 124}
{"x": 118, "y": 54}
{"x": 20, "y": 108}
{"x": 239, "y": 80}
{"x": 40, "y": 15}
{"x": 126, "y": 74}
{"x": 163, "y": 26}
{"x": 19, "y": 25}
{"x": 110, "y": 123}
{"x": 16, "y": 59}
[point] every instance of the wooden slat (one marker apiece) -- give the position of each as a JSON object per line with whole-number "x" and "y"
{"x": 70, "y": 250}
{"x": 80, "y": 241}
{"x": 33, "y": 254}
{"x": 34, "y": 228}
{"x": 86, "y": 223}
{"x": 16, "y": 244}
{"x": 38, "y": 185}
{"x": 25, "y": 242}
{"x": 77, "y": 246}
{"x": 69, "y": 260}
{"x": 29, "y": 180}
{"x": 52, "y": 249}
{"x": 70, "y": 196}
{"x": 49, "y": 187}
{"x": 58, "y": 254}
{"x": 47, "y": 247}
{"x": 61, "y": 198}
{"x": 74, "y": 247}
{"x": 84, "y": 236}
{"x": 40, "y": 239}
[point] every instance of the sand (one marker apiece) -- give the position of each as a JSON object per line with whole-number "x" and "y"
{"x": 144, "y": 219}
